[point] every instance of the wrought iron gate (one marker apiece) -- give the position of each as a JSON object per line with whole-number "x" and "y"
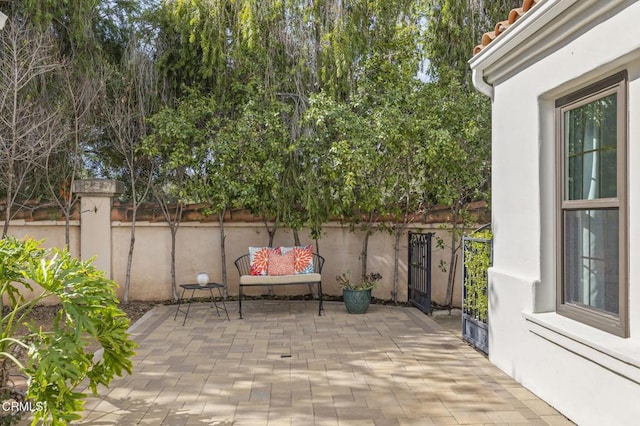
{"x": 475, "y": 287}
{"x": 419, "y": 276}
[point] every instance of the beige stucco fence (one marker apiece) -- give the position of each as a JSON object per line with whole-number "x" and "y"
{"x": 198, "y": 249}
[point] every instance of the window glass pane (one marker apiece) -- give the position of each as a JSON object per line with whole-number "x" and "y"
{"x": 591, "y": 259}
{"x": 608, "y": 172}
{"x": 590, "y": 139}
{"x": 609, "y": 123}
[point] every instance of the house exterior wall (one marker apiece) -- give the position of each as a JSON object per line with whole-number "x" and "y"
{"x": 591, "y": 376}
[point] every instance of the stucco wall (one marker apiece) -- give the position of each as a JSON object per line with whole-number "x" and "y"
{"x": 591, "y": 376}
{"x": 50, "y": 231}
{"x": 198, "y": 249}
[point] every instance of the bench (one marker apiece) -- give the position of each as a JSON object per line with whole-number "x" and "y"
{"x": 243, "y": 264}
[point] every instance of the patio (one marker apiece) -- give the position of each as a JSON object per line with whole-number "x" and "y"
{"x": 284, "y": 365}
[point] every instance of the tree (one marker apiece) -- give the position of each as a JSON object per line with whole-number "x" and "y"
{"x": 460, "y": 152}
{"x": 375, "y": 123}
{"x": 461, "y": 134}
{"x": 402, "y": 127}
{"x": 171, "y": 207}
{"x": 216, "y": 163}
{"x": 84, "y": 35}
{"x": 65, "y": 160}
{"x": 397, "y": 112}
{"x": 178, "y": 138}
{"x": 353, "y": 166}
{"x": 29, "y": 113}
{"x": 264, "y": 144}
{"x": 131, "y": 100}
{"x": 290, "y": 50}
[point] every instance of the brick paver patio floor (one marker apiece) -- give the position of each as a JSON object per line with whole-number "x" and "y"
{"x": 284, "y": 365}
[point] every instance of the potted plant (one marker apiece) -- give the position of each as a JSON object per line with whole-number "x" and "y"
{"x": 357, "y": 294}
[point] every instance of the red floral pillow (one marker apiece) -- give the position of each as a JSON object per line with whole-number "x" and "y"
{"x": 281, "y": 264}
{"x": 303, "y": 255}
{"x": 258, "y": 260}
{"x": 304, "y": 259}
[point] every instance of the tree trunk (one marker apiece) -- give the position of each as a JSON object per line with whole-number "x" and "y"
{"x": 452, "y": 278}
{"x": 7, "y": 218}
{"x": 271, "y": 231}
{"x": 364, "y": 252}
{"x": 7, "y": 210}
{"x": 66, "y": 204}
{"x": 174, "y": 288}
{"x": 132, "y": 243}
{"x": 453, "y": 258}
{"x": 397, "y": 236}
{"x": 68, "y": 209}
{"x": 223, "y": 253}
{"x": 174, "y": 230}
{"x": 296, "y": 237}
{"x": 67, "y": 226}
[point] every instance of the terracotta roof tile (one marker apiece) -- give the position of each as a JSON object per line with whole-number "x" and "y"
{"x": 501, "y": 26}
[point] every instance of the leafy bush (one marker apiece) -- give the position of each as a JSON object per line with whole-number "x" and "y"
{"x": 57, "y": 361}
{"x": 477, "y": 259}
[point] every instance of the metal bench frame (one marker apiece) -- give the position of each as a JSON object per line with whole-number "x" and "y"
{"x": 243, "y": 265}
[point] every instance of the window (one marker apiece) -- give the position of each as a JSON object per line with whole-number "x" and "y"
{"x": 591, "y": 215}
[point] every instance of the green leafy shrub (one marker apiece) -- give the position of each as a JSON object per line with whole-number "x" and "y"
{"x": 57, "y": 361}
{"x": 477, "y": 259}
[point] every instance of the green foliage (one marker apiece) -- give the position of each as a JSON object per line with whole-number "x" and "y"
{"x": 350, "y": 159}
{"x": 436, "y": 134}
{"x": 265, "y": 62}
{"x": 289, "y": 47}
{"x": 454, "y": 28}
{"x": 457, "y": 158}
{"x": 300, "y": 111}
{"x": 459, "y": 150}
{"x": 179, "y": 141}
{"x": 477, "y": 259}
{"x": 57, "y": 362}
{"x": 263, "y": 147}
{"x": 87, "y": 30}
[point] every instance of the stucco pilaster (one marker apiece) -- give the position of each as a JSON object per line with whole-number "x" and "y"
{"x": 96, "y": 199}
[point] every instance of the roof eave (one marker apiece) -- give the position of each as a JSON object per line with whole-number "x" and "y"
{"x": 512, "y": 38}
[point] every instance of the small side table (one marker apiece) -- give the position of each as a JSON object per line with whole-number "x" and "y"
{"x": 194, "y": 288}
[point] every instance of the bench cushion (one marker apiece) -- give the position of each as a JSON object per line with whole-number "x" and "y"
{"x": 280, "y": 279}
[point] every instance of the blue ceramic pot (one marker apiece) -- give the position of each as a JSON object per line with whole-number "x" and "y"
{"x": 356, "y": 301}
